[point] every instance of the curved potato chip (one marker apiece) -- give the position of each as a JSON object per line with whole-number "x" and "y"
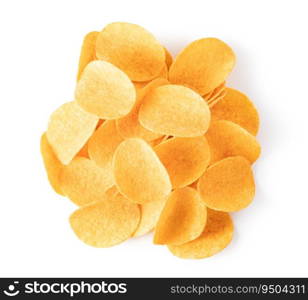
{"x": 69, "y": 128}
{"x": 106, "y": 223}
{"x": 209, "y": 97}
{"x": 88, "y": 51}
{"x": 159, "y": 140}
{"x": 52, "y": 165}
{"x": 132, "y": 49}
{"x": 175, "y": 110}
{"x": 202, "y": 65}
{"x": 168, "y": 58}
{"x": 229, "y": 139}
{"x": 83, "y": 182}
{"x": 228, "y": 185}
{"x": 182, "y": 219}
{"x": 129, "y": 126}
{"x": 139, "y": 174}
{"x": 105, "y": 91}
{"x": 236, "y": 107}
{"x": 216, "y": 236}
{"x": 185, "y": 159}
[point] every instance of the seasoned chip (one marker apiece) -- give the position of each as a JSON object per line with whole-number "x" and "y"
{"x": 175, "y": 110}
{"x": 168, "y": 58}
{"x": 138, "y": 172}
{"x": 132, "y": 49}
{"x": 106, "y": 223}
{"x": 105, "y": 91}
{"x": 228, "y": 185}
{"x": 85, "y": 182}
{"x": 216, "y": 236}
{"x": 236, "y": 107}
{"x": 88, "y": 52}
{"x": 69, "y": 128}
{"x": 202, "y": 65}
{"x": 229, "y": 139}
{"x": 184, "y": 158}
{"x": 182, "y": 219}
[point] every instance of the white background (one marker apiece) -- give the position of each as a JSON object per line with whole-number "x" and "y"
{"x": 39, "y": 49}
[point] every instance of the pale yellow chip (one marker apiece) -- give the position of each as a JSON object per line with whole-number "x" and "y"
{"x": 182, "y": 219}
{"x": 169, "y": 58}
{"x": 88, "y": 51}
{"x": 105, "y": 91}
{"x": 236, "y": 107}
{"x": 202, "y": 65}
{"x": 229, "y": 139}
{"x": 138, "y": 172}
{"x": 132, "y": 49}
{"x": 52, "y": 165}
{"x": 83, "y": 182}
{"x": 228, "y": 185}
{"x": 69, "y": 128}
{"x": 106, "y": 223}
{"x": 185, "y": 159}
{"x": 216, "y": 236}
{"x": 175, "y": 110}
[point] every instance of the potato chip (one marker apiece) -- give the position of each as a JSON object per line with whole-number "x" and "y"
{"x": 159, "y": 140}
{"x": 88, "y": 51}
{"x": 175, "y": 110}
{"x": 228, "y": 185}
{"x": 216, "y": 236}
{"x": 236, "y": 107}
{"x": 202, "y": 65}
{"x": 229, "y": 139}
{"x": 105, "y": 91}
{"x": 185, "y": 159}
{"x": 106, "y": 223}
{"x": 182, "y": 219}
{"x": 85, "y": 182}
{"x": 132, "y": 49}
{"x": 52, "y": 165}
{"x": 215, "y": 93}
{"x": 69, "y": 128}
{"x": 83, "y": 152}
{"x": 168, "y": 58}
{"x": 139, "y": 174}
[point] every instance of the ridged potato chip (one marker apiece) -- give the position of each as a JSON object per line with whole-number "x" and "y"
{"x": 202, "y": 65}
{"x": 229, "y": 139}
{"x": 83, "y": 182}
{"x": 88, "y": 51}
{"x": 105, "y": 91}
{"x": 139, "y": 175}
{"x": 106, "y": 223}
{"x": 182, "y": 219}
{"x": 175, "y": 110}
{"x": 132, "y": 49}
{"x": 185, "y": 159}
{"x": 216, "y": 236}
{"x": 69, "y": 128}
{"x": 237, "y": 108}
{"x": 228, "y": 185}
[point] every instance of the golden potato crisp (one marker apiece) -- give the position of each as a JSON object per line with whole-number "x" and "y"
{"x": 228, "y": 185}
{"x": 175, "y": 110}
{"x": 182, "y": 219}
{"x": 169, "y": 58}
{"x": 105, "y": 91}
{"x": 139, "y": 175}
{"x": 217, "y": 234}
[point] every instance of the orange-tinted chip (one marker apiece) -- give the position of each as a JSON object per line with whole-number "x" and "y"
{"x": 202, "y": 65}
{"x": 216, "y": 236}
{"x": 229, "y": 139}
{"x": 184, "y": 158}
{"x": 132, "y": 49}
{"x": 69, "y": 128}
{"x": 175, "y": 110}
{"x": 228, "y": 185}
{"x": 106, "y": 223}
{"x": 83, "y": 152}
{"x": 105, "y": 91}
{"x": 138, "y": 172}
{"x": 182, "y": 219}
{"x": 217, "y": 92}
{"x": 169, "y": 58}
{"x": 236, "y": 107}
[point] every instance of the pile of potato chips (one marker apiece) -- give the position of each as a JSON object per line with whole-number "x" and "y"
{"x": 151, "y": 143}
